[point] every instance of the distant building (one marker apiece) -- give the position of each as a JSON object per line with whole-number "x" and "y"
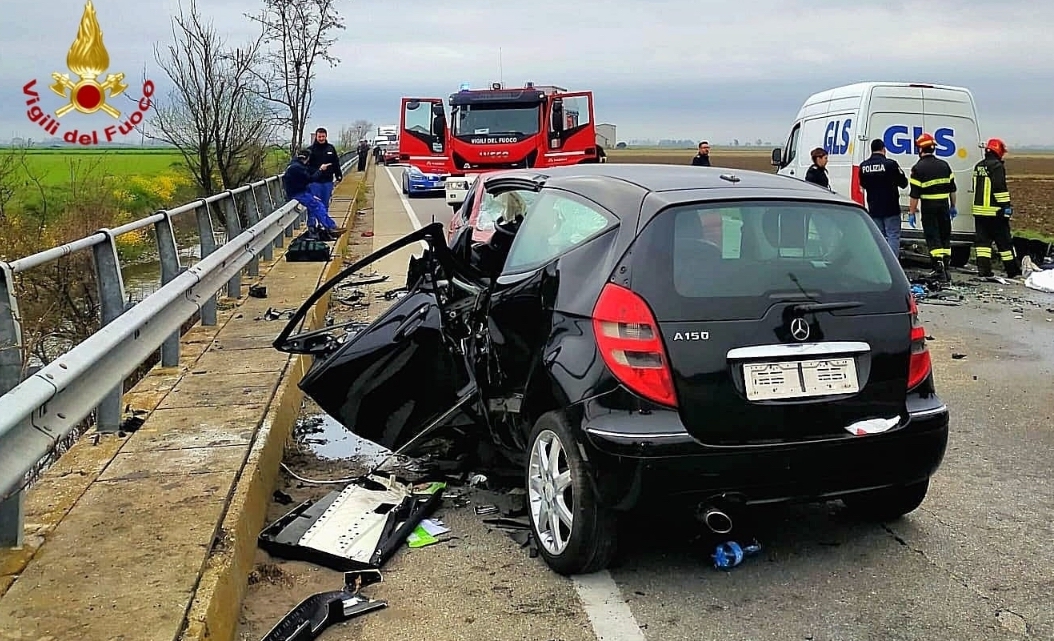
{"x": 606, "y": 136}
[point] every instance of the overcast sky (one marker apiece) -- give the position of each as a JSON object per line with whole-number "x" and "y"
{"x": 659, "y": 68}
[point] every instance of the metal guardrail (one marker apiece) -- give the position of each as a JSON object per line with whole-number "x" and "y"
{"x": 36, "y": 413}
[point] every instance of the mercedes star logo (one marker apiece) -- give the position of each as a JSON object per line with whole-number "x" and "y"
{"x": 799, "y": 329}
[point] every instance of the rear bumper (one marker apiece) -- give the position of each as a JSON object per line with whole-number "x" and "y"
{"x": 660, "y": 458}
{"x": 425, "y": 186}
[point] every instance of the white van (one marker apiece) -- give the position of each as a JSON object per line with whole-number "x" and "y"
{"x": 844, "y": 120}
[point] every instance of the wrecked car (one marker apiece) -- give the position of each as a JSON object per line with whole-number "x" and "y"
{"x": 684, "y": 334}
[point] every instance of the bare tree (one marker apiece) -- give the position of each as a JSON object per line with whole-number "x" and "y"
{"x": 212, "y": 115}
{"x": 10, "y": 177}
{"x": 300, "y": 34}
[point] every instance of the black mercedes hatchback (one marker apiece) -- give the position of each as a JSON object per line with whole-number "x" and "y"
{"x": 725, "y": 339}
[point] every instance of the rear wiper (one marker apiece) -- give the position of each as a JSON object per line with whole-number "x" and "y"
{"x": 808, "y": 308}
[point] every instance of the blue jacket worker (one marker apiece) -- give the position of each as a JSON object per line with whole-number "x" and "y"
{"x": 325, "y": 159}
{"x": 297, "y": 181}
{"x": 881, "y": 178}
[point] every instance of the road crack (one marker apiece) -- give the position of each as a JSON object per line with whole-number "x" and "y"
{"x": 1006, "y": 617}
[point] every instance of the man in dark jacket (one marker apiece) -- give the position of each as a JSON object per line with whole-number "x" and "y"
{"x": 363, "y": 150}
{"x": 297, "y": 181}
{"x": 992, "y": 211}
{"x": 881, "y": 178}
{"x": 324, "y": 153}
{"x": 933, "y": 191}
{"x": 817, "y": 173}
{"x": 702, "y": 159}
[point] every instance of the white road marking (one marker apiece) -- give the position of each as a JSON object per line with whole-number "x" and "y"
{"x": 608, "y": 612}
{"x": 407, "y": 207}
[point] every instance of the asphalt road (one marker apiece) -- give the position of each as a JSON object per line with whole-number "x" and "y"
{"x": 426, "y": 208}
{"x": 976, "y": 561}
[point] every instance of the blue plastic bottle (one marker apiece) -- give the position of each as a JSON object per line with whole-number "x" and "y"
{"x": 730, "y": 554}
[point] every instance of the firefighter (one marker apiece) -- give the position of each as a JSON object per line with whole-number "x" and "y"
{"x": 992, "y": 211}
{"x": 932, "y": 190}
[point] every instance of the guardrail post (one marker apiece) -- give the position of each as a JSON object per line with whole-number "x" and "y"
{"x": 234, "y": 228}
{"x": 12, "y": 509}
{"x": 207, "y": 235}
{"x": 252, "y": 217}
{"x": 270, "y": 205}
{"x": 168, "y": 252}
{"x": 111, "y": 300}
{"x": 278, "y": 198}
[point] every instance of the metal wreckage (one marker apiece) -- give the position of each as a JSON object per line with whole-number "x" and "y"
{"x": 577, "y": 348}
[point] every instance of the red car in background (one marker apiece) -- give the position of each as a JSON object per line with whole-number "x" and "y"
{"x": 481, "y": 210}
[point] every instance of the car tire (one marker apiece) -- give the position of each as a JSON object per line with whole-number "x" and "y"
{"x": 888, "y": 504}
{"x": 586, "y": 544}
{"x": 960, "y": 255}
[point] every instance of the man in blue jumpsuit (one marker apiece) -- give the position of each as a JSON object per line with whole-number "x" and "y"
{"x": 297, "y": 181}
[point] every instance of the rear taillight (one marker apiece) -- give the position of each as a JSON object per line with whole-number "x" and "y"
{"x": 920, "y": 365}
{"x": 628, "y": 338}
{"x": 856, "y": 192}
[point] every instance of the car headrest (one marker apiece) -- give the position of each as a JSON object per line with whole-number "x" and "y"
{"x": 785, "y": 229}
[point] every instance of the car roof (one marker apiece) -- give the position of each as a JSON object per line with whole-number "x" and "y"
{"x": 622, "y": 187}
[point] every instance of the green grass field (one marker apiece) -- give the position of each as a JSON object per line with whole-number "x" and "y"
{"x": 53, "y": 166}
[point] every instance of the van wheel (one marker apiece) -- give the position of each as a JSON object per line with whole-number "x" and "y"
{"x": 575, "y": 534}
{"x": 888, "y": 504}
{"x": 960, "y": 255}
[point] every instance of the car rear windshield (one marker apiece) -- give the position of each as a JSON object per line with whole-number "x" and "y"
{"x": 734, "y": 260}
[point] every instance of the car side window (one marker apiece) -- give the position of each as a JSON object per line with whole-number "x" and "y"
{"x": 553, "y": 224}
{"x": 792, "y": 144}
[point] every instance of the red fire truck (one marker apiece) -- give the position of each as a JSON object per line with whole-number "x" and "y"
{"x": 496, "y": 128}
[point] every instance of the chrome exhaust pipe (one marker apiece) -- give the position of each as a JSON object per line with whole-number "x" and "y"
{"x": 716, "y": 519}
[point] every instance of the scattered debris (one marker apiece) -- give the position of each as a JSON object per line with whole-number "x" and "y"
{"x": 358, "y": 527}
{"x": 281, "y": 497}
{"x": 316, "y": 613}
{"x": 257, "y": 291}
{"x": 273, "y": 314}
{"x": 957, "y": 356}
{"x": 729, "y": 554}
{"x": 426, "y": 533}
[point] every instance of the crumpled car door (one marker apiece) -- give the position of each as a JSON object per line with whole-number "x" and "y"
{"x": 405, "y": 374}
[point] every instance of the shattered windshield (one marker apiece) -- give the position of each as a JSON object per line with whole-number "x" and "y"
{"x": 505, "y": 206}
{"x": 496, "y": 119}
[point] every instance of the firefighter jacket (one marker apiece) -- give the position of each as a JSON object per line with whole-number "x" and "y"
{"x": 991, "y": 196}
{"x": 932, "y": 182}
{"x": 882, "y": 179}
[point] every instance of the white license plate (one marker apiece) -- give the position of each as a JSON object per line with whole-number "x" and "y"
{"x": 800, "y": 379}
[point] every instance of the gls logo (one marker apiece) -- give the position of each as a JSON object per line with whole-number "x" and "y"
{"x": 899, "y": 140}
{"x": 836, "y": 138}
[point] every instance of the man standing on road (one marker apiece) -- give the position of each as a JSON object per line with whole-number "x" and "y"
{"x": 324, "y": 153}
{"x": 817, "y": 173}
{"x": 933, "y": 183}
{"x": 882, "y": 179}
{"x": 297, "y": 181}
{"x": 992, "y": 211}
{"x": 702, "y": 159}
{"x": 363, "y": 151}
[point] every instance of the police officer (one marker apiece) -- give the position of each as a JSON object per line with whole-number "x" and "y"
{"x": 992, "y": 211}
{"x": 932, "y": 184}
{"x": 817, "y": 173}
{"x": 882, "y": 179}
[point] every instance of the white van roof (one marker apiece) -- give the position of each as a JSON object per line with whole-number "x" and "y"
{"x": 860, "y": 89}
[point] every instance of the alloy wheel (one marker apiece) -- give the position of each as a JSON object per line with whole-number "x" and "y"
{"x": 550, "y": 492}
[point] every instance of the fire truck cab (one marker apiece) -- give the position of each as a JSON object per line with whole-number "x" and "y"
{"x": 496, "y": 128}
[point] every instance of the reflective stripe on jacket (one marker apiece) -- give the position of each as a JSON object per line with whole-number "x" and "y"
{"x": 932, "y": 181}
{"x": 990, "y": 193}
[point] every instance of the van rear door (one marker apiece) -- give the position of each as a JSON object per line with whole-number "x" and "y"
{"x": 950, "y": 117}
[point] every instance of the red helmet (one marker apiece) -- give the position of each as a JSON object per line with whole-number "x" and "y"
{"x": 925, "y": 141}
{"x": 996, "y": 146}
